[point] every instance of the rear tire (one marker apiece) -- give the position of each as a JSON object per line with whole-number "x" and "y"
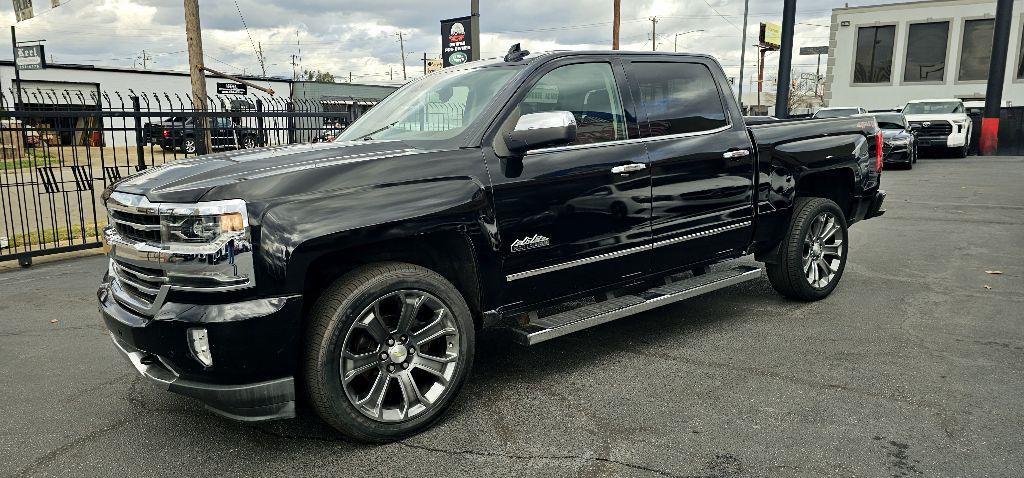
{"x": 812, "y": 255}
{"x": 364, "y": 369}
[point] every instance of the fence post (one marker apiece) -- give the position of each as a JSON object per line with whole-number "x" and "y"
{"x": 291, "y": 123}
{"x": 261, "y": 133}
{"x": 140, "y": 150}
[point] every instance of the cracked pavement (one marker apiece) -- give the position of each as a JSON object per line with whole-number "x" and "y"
{"x": 912, "y": 368}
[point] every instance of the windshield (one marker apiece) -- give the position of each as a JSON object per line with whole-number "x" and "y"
{"x": 934, "y": 108}
{"x": 836, "y": 113}
{"x": 892, "y": 121}
{"x": 436, "y": 107}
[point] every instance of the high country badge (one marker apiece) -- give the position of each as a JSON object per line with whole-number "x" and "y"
{"x": 528, "y": 243}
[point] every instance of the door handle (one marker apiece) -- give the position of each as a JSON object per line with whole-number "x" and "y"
{"x": 736, "y": 154}
{"x": 629, "y": 168}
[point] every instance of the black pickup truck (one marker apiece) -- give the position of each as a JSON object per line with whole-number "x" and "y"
{"x": 540, "y": 194}
{"x": 180, "y": 134}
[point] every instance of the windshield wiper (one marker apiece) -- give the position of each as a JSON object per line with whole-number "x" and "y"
{"x": 369, "y": 135}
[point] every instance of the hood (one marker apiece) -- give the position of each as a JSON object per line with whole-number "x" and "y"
{"x": 889, "y": 134}
{"x": 188, "y": 180}
{"x": 935, "y": 117}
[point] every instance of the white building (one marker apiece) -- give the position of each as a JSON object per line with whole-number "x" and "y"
{"x": 881, "y": 56}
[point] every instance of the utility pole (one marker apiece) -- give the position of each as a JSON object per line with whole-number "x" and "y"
{"x": 391, "y": 72}
{"x": 743, "y": 50}
{"x": 194, "y": 32}
{"x": 785, "y": 59}
{"x": 653, "y": 34}
{"x": 295, "y": 73}
{"x": 424, "y": 63}
{"x": 988, "y": 144}
{"x": 145, "y": 56}
{"x": 350, "y": 77}
{"x": 401, "y": 46}
{"x": 616, "y": 22}
{"x": 17, "y": 71}
{"x": 474, "y": 27}
{"x": 263, "y": 60}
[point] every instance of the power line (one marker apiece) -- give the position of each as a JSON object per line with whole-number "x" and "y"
{"x": 259, "y": 57}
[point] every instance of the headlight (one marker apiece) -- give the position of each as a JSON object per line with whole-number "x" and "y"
{"x": 899, "y": 141}
{"x": 203, "y": 223}
{"x": 959, "y": 121}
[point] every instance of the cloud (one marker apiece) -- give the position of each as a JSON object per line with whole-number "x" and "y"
{"x": 359, "y": 36}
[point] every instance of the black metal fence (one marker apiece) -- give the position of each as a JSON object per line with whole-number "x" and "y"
{"x": 61, "y": 148}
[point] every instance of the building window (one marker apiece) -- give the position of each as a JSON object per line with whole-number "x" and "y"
{"x": 874, "y": 54}
{"x": 1020, "y": 59}
{"x": 926, "y": 52}
{"x": 976, "y": 50}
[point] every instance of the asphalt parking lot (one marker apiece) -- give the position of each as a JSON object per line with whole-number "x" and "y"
{"x": 914, "y": 367}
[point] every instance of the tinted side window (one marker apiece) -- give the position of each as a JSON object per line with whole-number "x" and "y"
{"x": 588, "y": 91}
{"x": 679, "y": 98}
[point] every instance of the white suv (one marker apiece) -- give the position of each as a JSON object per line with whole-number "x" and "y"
{"x": 940, "y": 123}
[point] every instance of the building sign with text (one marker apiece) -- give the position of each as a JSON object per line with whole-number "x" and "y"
{"x": 231, "y": 89}
{"x": 32, "y": 57}
{"x": 456, "y": 41}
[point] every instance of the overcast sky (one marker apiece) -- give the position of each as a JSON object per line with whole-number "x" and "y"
{"x": 359, "y": 36}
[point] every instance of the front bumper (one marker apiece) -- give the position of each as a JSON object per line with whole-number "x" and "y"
{"x": 254, "y": 346}
{"x": 897, "y": 155}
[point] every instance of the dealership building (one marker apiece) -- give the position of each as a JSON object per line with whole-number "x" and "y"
{"x": 882, "y": 56}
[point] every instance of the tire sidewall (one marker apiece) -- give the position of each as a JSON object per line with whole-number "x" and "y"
{"x": 341, "y": 412}
{"x": 802, "y": 228}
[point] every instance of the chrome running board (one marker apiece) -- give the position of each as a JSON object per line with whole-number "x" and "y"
{"x": 538, "y": 330}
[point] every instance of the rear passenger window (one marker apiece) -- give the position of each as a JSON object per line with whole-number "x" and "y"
{"x": 679, "y": 98}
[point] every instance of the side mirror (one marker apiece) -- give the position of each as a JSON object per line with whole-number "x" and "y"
{"x": 538, "y": 130}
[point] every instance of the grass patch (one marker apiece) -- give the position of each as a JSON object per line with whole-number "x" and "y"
{"x": 34, "y": 159}
{"x": 60, "y": 234}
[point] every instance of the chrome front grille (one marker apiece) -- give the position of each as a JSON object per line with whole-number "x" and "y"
{"x": 146, "y": 267}
{"x": 933, "y": 128}
{"x": 136, "y": 226}
{"x": 141, "y": 289}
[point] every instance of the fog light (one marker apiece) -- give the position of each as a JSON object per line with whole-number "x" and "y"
{"x": 200, "y": 344}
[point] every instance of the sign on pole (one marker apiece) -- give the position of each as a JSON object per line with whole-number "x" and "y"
{"x": 31, "y": 57}
{"x": 22, "y": 10}
{"x": 434, "y": 64}
{"x": 814, "y": 50}
{"x": 770, "y": 35}
{"x": 232, "y": 89}
{"x": 456, "y": 41}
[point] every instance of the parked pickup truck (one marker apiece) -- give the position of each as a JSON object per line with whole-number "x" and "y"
{"x": 567, "y": 190}
{"x": 940, "y": 123}
{"x": 181, "y": 133}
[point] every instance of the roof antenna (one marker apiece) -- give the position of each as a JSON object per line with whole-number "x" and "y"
{"x": 516, "y": 53}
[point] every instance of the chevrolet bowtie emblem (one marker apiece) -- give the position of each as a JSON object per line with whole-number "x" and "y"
{"x": 532, "y": 242}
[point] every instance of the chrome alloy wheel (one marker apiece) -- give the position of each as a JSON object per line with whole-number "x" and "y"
{"x": 823, "y": 250}
{"x": 400, "y": 355}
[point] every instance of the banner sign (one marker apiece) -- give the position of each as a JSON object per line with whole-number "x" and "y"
{"x": 22, "y": 10}
{"x": 232, "y": 89}
{"x": 814, "y": 50}
{"x": 456, "y": 41}
{"x": 31, "y": 57}
{"x": 771, "y": 35}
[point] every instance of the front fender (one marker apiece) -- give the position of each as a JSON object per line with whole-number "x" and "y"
{"x": 295, "y": 234}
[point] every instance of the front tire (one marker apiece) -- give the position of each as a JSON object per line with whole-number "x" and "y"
{"x": 812, "y": 256}
{"x": 388, "y": 348}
